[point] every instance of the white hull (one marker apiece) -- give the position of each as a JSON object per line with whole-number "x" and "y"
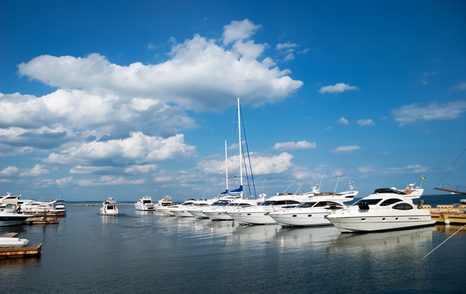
{"x": 380, "y": 223}
{"x": 166, "y": 211}
{"x": 108, "y": 212}
{"x": 253, "y": 217}
{"x": 198, "y": 214}
{"x": 182, "y": 213}
{"x": 217, "y": 215}
{"x": 13, "y": 242}
{"x": 145, "y": 208}
{"x": 301, "y": 219}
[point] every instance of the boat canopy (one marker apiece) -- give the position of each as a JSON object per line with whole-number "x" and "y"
{"x": 388, "y": 190}
{"x": 240, "y": 189}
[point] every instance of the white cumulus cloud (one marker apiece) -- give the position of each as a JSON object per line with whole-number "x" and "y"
{"x": 295, "y": 145}
{"x": 337, "y": 88}
{"x": 346, "y": 149}
{"x": 9, "y": 171}
{"x": 343, "y": 121}
{"x": 434, "y": 111}
{"x": 365, "y": 122}
{"x": 261, "y": 165}
{"x": 137, "y": 148}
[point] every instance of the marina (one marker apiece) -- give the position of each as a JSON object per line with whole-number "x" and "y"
{"x": 186, "y": 250}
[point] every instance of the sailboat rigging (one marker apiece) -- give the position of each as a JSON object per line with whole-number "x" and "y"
{"x": 455, "y": 189}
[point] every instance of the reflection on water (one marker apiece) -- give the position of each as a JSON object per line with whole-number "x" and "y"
{"x": 303, "y": 237}
{"x": 387, "y": 241}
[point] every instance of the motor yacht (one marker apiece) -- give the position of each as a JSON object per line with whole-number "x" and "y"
{"x": 385, "y": 209}
{"x": 180, "y": 210}
{"x": 197, "y": 207}
{"x": 10, "y": 217}
{"x": 165, "y": 201}
{"x": 221, "y": 210}
{"x": 109, "y": 207}
{"x": 13, "y": 242}
{"x": 145, "y": 204}
{"x": 311, "y": 213}
{"x": 259, "y": 214}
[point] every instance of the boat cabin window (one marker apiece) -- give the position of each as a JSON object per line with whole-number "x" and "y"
{"x": 402, "y": 206}
{"x": 283, "y": 202}
{"x": 220, "y": 203}
{"x": 146, "y": 201}
{"x": 110, "y": 207}
{"x": 390, "y": 201}
{"x": 368, "y": 201}
{"x": 307, "y": 204}
{"x": 328, "y": 203}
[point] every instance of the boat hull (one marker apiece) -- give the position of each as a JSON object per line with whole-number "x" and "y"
{"x": 12, "y": 221}
{"x": 218, "y": 215}
{"x": 301, "y": 219}
{"x": 379, "y": 223}
{"x": 253, "y": 218}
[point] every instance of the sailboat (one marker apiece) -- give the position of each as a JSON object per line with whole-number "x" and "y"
{"x": 219, "y": 209}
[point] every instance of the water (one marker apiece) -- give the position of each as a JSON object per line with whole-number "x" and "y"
{"x": 143, "y": 253}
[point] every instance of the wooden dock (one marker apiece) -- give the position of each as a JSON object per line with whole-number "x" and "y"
{"x": 25, "y": 251}
{"x": 448, "y": 213}
{"x": 42, "y": 221}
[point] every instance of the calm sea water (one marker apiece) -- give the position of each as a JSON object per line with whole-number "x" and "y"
{"x": 149, "y": 253}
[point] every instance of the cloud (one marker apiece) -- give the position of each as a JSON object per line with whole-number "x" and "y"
{"x": 9, "y": 171}
{"x": 295, "y": 145}
{"x": 343, "y": 121}
{"x": 346, "y": 149}
{"x": 409, "y": 169}
{"x": 238, "y": 31}
{"x": 364, "y": 169}
{"x": 37, "y": 170}
{"x": 137, "y": 148}
{"x": 434, "y": 111}
{"x": 459, "y": 87}
{"x": 337, "y": 88}
{"x": 107, "y": 181}
{"x": 261, "y": 165}
{"x": 140, "y": 169}
{"x": 365, "y": 122}
{"x": 83, "y": 169}
{"x": 42, "y": 138}
{"x": 201, "y": 75}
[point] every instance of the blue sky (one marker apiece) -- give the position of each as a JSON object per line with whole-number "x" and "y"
{"x": 126, "y": 98}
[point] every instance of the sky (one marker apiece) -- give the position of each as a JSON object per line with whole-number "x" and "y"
{"x": 133, "y": 98}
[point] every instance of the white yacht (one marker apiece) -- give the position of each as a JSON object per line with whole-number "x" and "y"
{"x": 199, "y": 205}
{"x": 180, "y": 210}
{"x": 165, "y": 201}
{"x": 385, "y": 209}
{"x": 109, "y": 207}
{"x": 145, "y": 204}
{"x": 259, "y": 214}
{"x": 311, "y": 213}
{"x": 13, "y": 242}
{"x": 10, "y": 217}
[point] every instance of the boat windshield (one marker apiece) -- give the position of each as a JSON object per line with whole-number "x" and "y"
{"x": 280, "y": 202}
{"x": 146, "y": 201}
{"x": 367, "y": 201}
{"x": 220, "y": 203}
{"x": 307, "y": 204}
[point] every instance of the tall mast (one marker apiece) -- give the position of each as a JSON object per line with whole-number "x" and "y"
{"x": 240, "y": 148}
{"x": 226, "y": 166}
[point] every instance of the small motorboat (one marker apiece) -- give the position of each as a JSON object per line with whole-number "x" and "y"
{"x": 13, "y": 242}
{"x": 109, "y": 207}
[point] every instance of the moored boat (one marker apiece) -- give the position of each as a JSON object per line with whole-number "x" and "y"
{"x": 385, "y": 209}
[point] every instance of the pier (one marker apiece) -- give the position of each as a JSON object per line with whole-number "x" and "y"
{"x": 24, "y": 251}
